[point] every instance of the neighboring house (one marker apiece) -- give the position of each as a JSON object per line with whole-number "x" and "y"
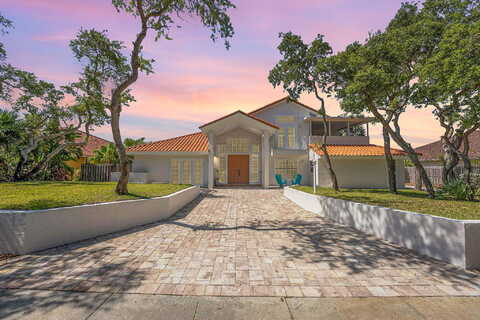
{"x": 432, "y": 153}
{"x": 94, "y": 143}
{"x": 251, "y": 148}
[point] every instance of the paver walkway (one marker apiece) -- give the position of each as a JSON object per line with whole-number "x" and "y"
{"x": 240, "y": 242}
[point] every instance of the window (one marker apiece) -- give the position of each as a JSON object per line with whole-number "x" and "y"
{"x": 286, "y": 167}
{"x": 187, "y": 172}
{"x": 281, "y": 139}
{"x": 221, "y": 149}
{"x": 292, "y": 142}
{"x": 284, "y": 119}
{"x": 222, "y": 170}
{"x": 174, "y": 171}
{"x": 255, "y": 148}
{"x": 181, "y": 171}
{"x": 198, "y": 170}
{"x": 254, "y": 174}
{"x": 238, "y": 145}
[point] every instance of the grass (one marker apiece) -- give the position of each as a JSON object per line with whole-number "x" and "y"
{"x": 45, "y": 195}
{"x": 409, "y": 200}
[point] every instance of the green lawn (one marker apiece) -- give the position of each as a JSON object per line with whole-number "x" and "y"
{"x": 44, "y": 195}
{"x": 409, "y": 200}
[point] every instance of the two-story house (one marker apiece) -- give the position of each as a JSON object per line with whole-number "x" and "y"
{"x": 251, "y": 148}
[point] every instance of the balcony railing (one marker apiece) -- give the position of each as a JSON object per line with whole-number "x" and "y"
{"x": 341, "y": 140}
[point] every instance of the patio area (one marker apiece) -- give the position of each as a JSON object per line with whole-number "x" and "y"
{"x": 239, "y": 242}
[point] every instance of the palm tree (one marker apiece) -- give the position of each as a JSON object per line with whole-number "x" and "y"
{"x": 108, "y": 153}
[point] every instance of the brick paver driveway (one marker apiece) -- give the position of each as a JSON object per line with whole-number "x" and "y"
{"x": 245, "y": 242}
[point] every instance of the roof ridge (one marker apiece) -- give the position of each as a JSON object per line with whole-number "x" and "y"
{"x": 277, "y": 101}
{"x": 245, "y": 114}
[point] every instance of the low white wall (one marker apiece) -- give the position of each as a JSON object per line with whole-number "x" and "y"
{"x": 23, "y": 232}
{"x": 453, "y": 241}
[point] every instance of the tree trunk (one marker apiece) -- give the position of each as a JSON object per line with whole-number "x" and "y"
{"x": 466, "y": 160}
{"x": 407, "y": 148}
{"x": 116, "y": 102}
{"x": 392, "y": 176}
{"x": 418, "y": 180}
{"x": 122, "y": 184}
{"x": 326, "y": 156}
{"x": 450, "y": 161}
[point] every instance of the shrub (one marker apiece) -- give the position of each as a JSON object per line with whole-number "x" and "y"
{"x": 459, "y": 190}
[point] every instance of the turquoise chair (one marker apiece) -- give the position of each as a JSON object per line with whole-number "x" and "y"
{"x": 280, "y": 181}
{"x": 297, "y": 180}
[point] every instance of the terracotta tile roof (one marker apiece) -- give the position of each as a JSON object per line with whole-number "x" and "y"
{"x": 280, "y": 100}
{"x": 94, "y": 143}
{"x": 433, "y": 151}
{"x": 369, "y": 150}
{"x": 245, "y": 114}
{"x": 195, "y": 142}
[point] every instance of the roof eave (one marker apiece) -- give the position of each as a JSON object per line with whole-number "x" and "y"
{"x": 168, "y": 153}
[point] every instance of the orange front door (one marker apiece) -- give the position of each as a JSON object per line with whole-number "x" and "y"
{"x": 238, "y": 169}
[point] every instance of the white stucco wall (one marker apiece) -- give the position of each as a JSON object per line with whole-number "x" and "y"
{"x": 158, "y": 166}
{"x": 360, "y": 173}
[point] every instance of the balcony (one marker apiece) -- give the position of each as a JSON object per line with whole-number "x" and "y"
{"x": 341, "y": 140}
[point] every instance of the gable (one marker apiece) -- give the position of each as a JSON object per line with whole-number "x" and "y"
{"x": 285, "y": 113}
{"x": 285, "y": 104}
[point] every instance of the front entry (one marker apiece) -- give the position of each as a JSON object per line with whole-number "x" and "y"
{"x": 238, "y": 169}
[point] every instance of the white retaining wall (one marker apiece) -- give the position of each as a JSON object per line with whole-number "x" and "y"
{"x": 453, "y": 241}
{"x": 23, "y": 232}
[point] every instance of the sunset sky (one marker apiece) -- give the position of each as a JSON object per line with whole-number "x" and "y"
{"x": 196, "y": 80}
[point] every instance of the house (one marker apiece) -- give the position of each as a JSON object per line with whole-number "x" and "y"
{"x": 251, "y": 148}
{"x": 94, "y": 143}
{"x": 432, "y": 153}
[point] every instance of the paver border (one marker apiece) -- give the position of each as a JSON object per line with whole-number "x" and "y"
{"x": 26, "y": 231}
{"x": 449, "y": 240}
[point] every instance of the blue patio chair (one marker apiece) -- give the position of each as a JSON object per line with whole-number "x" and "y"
{"x": 280, "y": 181}
{"x": 297, "y": 180}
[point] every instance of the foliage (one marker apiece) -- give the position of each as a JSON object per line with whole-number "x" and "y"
{"x": 358, "y": 131}
{"x": 44, "y": 195}
{"x": 449, "y": 76}
{"x": 408, "y": 200}
{"x": 159, "y": 16}
{"x": 459, "y": 190}
{"x": 378, "y": 77}
{"x": 303, "y": 69}
{"x": 108, "y": 153}
{"x": 46, "y": 125}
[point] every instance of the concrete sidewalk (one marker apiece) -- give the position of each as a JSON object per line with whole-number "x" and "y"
{"x": 42, "y": 304}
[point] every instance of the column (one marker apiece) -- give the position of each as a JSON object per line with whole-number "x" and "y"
{"x": 211, "y": 156}
{"x": 266, "y": 159}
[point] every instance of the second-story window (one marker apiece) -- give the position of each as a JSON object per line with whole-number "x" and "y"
{"x": 291, "y": 138}
{"x": 281, "y": 139}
